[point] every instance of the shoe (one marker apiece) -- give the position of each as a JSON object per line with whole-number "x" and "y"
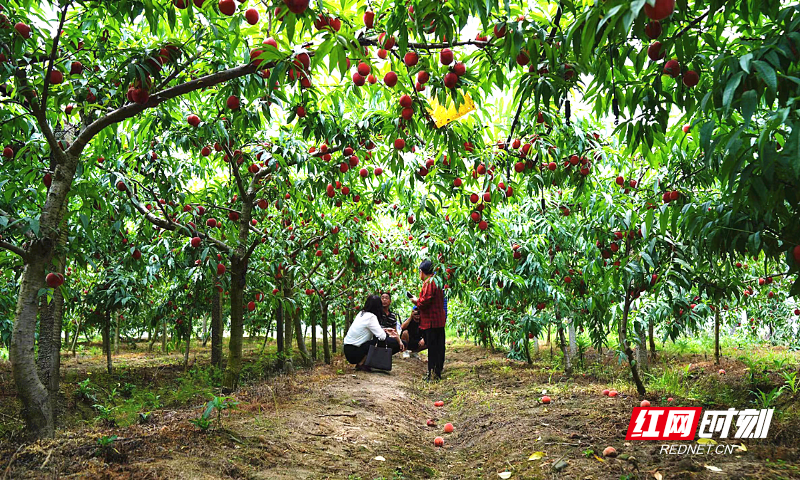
{"x": 414, "y": 355}
{"x": 362, "y": 368}
{"x": 406, "y": 354}
{"x": 426, "y": 378}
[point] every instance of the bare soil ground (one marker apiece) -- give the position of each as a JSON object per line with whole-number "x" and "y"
{"x": 333, "y": 422}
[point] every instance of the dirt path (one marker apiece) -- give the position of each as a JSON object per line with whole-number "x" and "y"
{"x": 332, "y": 422}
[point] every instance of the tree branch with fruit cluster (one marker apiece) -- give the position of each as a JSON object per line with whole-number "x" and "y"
{"x": 54, "y": 50}
{"x": 168, "y": 224}
{"x": 308, "y": 244}
{"x": 549, "y": 39}
{"x": 39, "y": 113}
{"x": 132, "y": 109}
{"x": 373, "y": 42}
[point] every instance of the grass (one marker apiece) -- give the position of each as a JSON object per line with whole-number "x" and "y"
{"x": 675, "y": 374}
{"x": 124, "y": 404}
{"x": 144, "y": 382}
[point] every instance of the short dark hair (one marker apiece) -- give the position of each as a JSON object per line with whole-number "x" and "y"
{"x": 386, "y": 292}
{"x": 426, "y": 267}
{"x": 373, "y": 305}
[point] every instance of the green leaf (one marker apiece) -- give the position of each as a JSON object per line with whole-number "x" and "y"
{"x": 744, "y": 62}
{"x": 730, "y": 89}
{"x": 749, "y": 102}
{"x": 33, "y": 224}
{"x": 795, "y": 292}
{"x": 767, "y": 73}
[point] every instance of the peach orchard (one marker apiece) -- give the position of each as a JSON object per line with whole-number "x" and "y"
{"x": 626, "y": 169}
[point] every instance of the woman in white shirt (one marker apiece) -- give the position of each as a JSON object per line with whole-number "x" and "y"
{"x": 365, "y": 331}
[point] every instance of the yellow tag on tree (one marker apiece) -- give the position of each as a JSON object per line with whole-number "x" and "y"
{"x": 442, "y": 116}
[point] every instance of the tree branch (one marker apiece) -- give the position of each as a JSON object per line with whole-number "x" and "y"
{"x": 175, "y": 72}
{"x": 691, "y": 24}
{"x": 14, "y": 249}
{"x": 133, "y": 109}
{"x": 211, "y": 205}
{"x": 253, "y": 247}
{"x": 415, "y": 93}
{"x": 39, "y": 113}
{"x": 167, "y": 224}
{"x": 53, "y": 53}
{"x": 428, "y": 46}
{"x": 310, "y": 242}
{"x": 339, "y": 275}
{"x": 235, "y": 170}
{"x": 521, "y": 100}
{"x": 252, "y": 189}
{"x": 310, "y": 273}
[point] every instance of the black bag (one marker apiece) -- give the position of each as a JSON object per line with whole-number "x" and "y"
{"x": 379, "y": 357}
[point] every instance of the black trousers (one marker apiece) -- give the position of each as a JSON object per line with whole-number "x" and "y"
{"x": 355, "y": 353}
{"x": 434, "y": 340}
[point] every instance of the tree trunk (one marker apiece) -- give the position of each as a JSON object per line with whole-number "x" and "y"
{"x": 333, "y": 334}
{"x": 238, "y": 278}
{"x": 205, "y": 329}
{"x": 36, "y": 401}
{"x": 536, "y": 346}
{"x": 116, "y": 335}
{"x": 326, "y": 353}
{"x": 623, "y": 343}
{"x": 76, "y": 335}
{"x": 641, "y": 351}
{"x": 216, "y": 327}
{"x": 279, "y": 329}
{"x": 264, "y": 345}
{"x": 287, "y": 334}
{"x": 527, "y": 349}
{"x": 301, "y": 341}
{"x": 163, "y": 335}
{"x": 313, "y": 322}
{"x": 33, "y": 395}
{"x": 288, "y": 323}
{"x": 348, "y": 317}
{"x": 107, "y": 342}
{"x": 573, "y": 346}
{"x": 564, "y": 350}
{"x": 716, "y": 336}
{"x": 650, "y": 331}
{"x": 50, "y": 323}
{"x": 152, "y": 335}
{"x": 188, "y": 341}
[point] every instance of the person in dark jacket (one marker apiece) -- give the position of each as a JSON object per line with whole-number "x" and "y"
{"x": 388, "y": 319}
{"x": 431, "y": 319}
{"x": 411, "y": 335}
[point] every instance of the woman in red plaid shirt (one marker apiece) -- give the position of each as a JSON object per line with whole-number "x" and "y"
{"x": 431, "y": 319}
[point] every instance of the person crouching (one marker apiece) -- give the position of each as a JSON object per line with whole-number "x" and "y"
{"x": 366, "y": 331}
{"x": 411, "y": 335}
